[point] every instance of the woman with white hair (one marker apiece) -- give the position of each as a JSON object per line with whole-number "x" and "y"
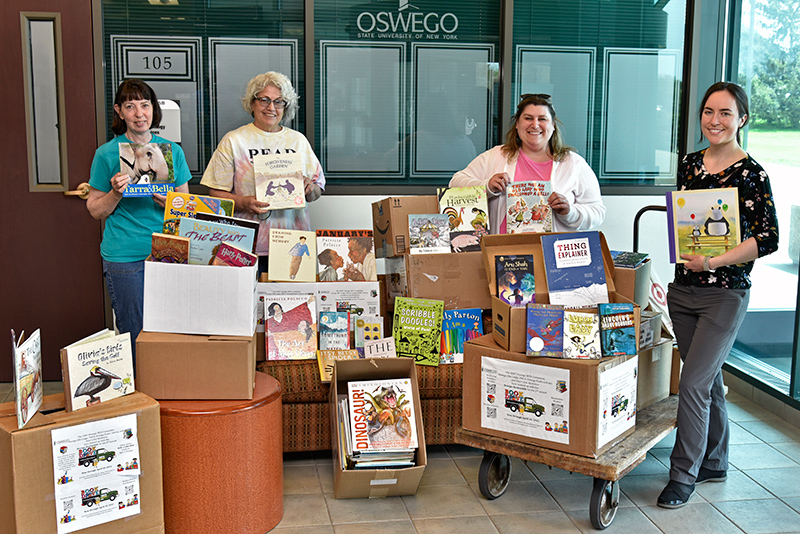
{"x": 270, "y": 99}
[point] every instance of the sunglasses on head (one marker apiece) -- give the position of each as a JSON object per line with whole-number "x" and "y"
{"x": 543, "y": 96}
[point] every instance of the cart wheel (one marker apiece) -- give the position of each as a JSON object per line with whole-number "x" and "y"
{"x": 494, "y": 474}
{"x": 604, "y": 504}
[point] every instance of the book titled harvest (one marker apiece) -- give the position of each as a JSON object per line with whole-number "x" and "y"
{"x": 574, "y": 268}
{"x": 428, "y": 234}
{"x": 527, "y": 209}
{"x": 702, "y": 222}
{"x": 346, "y": 255}
{"x": 515, "y": 280}
{"x": 166, "y": 248}
{"x": 291, "y": 327}
{"x": 292, "y": 255}
{"x": 205, "y": 236}
{"x": 466, "y": 209}
{"x": 417, "y": 329}
{"x": 97, "y": 368}
{"x": 149, "y": 167}
{"x": 582, "y": 335}
{"x": 27, "y": 375}
{"x": 617, "y": 329}
{"x": 279, "y": 180}
{"x": 227, "y": 254}
{"x": 334, "y": 330}
{"x": 545, "y": 330}
{"x": 458, "y": 327}
{"x": 381, "y": 414}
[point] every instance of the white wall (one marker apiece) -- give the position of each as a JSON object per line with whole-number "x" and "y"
{"x": 341, "y": 212}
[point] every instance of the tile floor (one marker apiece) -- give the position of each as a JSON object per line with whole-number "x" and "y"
{"x": 761, "y": 495}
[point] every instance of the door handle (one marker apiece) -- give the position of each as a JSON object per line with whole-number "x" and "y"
{"x": 82, "y": 191}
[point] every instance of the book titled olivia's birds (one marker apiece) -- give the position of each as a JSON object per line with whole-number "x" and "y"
{"x": 417, "y": 329}
{"x": 97, "y": 368}
{"x": 466, "y": 209}
{"x": 574, "y": 268}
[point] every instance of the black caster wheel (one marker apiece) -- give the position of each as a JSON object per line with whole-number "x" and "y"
{"x": 604, "y": 504}
{"x": 494, "y": 474}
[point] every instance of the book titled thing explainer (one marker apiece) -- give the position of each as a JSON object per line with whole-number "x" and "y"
{"x": 574, "y": 268}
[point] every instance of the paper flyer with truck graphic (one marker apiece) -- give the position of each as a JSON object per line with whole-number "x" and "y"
{"x": 525, "y": 399}
{"x": 96, "y": 472}
{"x": 617, "y": 390}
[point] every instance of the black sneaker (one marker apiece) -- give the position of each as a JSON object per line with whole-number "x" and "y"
{"x": 675, "y": 495}
{"x": 709, "y": 475}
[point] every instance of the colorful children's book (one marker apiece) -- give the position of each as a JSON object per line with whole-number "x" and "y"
{"x": 166, "y": 248}
{"x": 325, "y": 359}
{"x": 233, "y": 221}
{"x": 515, "y": 280}
{"x": 334, "y": 330}
{"x": 27, "y": 375}
{"x": 629, "y": 260}
{"x": 97, "y": 368}
{"x": 702, "y": 222}
{"x": 582, "y": 334}
{"x": 149, "y": 167}
{"x": 466, "y": 209}
{"x": 368, "y": 328}
{"x": 545, "y": 330}
{"x": 346, "y": 255}
{"x": 189, "y": 205}
{"x": 387, "y": 407}
{"x": 292, "y": 255}
{"x": 527, "y": 209}
{"x": 291, "y": 327}
{"x": 206, "y": 236}
{"x": 429, "y": 234}
{"x": 617, "y": 329}
{"x": 574, "y": 268}
{"x": 458, "y": 327}
{"x": 380, "y": 348}
{"x": 279, "y": 180}
{"x": 417, "y": 329}
{"x": 233, "y": 256}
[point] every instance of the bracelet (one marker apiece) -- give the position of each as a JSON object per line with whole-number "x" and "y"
{"x": 706, "y": 266}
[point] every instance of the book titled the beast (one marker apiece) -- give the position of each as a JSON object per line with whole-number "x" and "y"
{"x": 206, "y": 236}
{"x": 574, "y": 268}
{"x": 149, "y": 167}
{"x": 417, "y": 329}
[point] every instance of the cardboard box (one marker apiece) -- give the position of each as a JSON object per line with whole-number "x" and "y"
{"x": 362, "y": 483}
{"x": 199, "y": 299}
{"x": 180, "y": 366}
{"x": 655, "y": 373}
{"x": 650, "y": 329}
{"x": 390, "y": 222}
{"x": 509, "y": 322}
{"x": 581, "y": 407}
{"x": 634, "y": 284}
{"x": 675, "y": 373}
{"x": 458, "y": 279}
{"x": 27, "y": 476}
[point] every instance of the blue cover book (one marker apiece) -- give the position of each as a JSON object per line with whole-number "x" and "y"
{"x": 545, "y": 330}
{"x": 515, "y": 281}
{"x": 574, "y": 268}
{"x": 205, "y": 236}
{"x": 617, "y": 329}
{"x": 334, "y": 330}
{"x": 458, "y": 327}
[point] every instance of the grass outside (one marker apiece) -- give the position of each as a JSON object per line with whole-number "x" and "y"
{"x": 774, "y": 146}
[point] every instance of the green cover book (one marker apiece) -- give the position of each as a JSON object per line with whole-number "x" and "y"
{"x": 417, "y": 329}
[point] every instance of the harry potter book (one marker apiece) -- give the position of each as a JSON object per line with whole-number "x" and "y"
{"x": 226, "y": 254}
{"x": 166, "y": 248}
{"x": 206, "y": 236}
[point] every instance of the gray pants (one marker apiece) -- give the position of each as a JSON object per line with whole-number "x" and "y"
{"x": 706, "y": 320}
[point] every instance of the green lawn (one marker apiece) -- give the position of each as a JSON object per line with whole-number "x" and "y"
{"x": 775, "y": 146}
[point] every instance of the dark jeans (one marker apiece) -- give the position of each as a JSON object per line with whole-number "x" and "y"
{"x": 125, "y": 282}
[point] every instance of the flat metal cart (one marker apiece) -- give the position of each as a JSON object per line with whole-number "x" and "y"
{"x": 653, "y": 424}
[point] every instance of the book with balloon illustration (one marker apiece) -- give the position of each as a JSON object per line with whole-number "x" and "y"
{"x": 703, "y": 222}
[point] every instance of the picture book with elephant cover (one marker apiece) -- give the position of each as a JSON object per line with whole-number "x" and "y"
{"x": 466, "y": 209}
{"x": 702, "y": 222}
{"x": 417, "y": 329}
{"x": 97, "y": 368}
{"x": 149, "y": 166}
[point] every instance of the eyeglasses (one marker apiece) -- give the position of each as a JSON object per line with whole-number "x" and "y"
{"x": 265, "y": 102}
{"x": 543, "y": 96}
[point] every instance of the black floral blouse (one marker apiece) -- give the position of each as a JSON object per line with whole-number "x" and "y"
{"x": 757, "y": 216}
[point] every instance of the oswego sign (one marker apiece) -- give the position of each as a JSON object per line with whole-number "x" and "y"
{"x": 405, "y": 24}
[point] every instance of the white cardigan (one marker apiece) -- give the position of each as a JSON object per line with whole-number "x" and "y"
{"x": 571, "y": 177}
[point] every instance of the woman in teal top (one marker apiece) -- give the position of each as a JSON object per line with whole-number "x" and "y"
{"x": 129, "y": 221}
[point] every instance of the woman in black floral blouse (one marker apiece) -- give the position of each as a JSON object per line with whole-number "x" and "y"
{"x": 708, "y": 298}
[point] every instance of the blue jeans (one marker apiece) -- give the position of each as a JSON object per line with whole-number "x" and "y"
{"x": 125, "y": 282}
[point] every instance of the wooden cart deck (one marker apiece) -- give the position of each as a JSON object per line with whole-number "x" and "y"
{"x": 653, "y": 424}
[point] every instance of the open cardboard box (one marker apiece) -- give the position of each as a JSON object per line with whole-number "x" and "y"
{"x": 655, "y": 373}
{"x": 509, "y": 322}
{"x": 182, "y": 366}
{"x": 372, "y": 483}
{"x": 565, "y": 407}
{"x": 390, "y": 222}
{"x": 634, "y": 283}
{"x": 27, "y": 476}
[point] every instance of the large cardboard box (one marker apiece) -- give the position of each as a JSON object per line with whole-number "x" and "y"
{"x": 199, "y": 299}
{"x": 27, "y": 476}
{"x": 509, "y": 322}
{"x": 581, "y": 407}
{"x": 634, "y": 284}
{"x": 362, "y": 483}
{"x": 181, "y": 366}
{"x": 655, "y": 373}
{"x": 390, "y": 222}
